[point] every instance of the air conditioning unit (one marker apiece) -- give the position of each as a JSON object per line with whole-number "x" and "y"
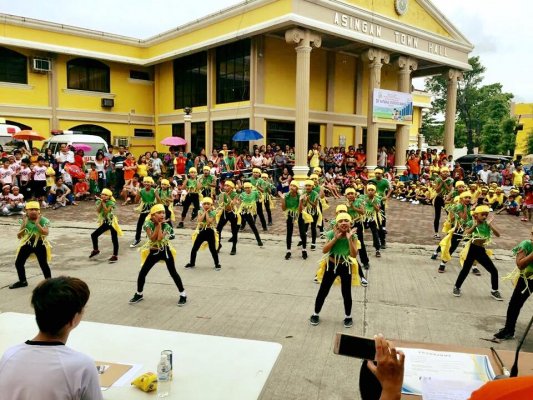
{"x": 121, "y": 141}
{"x": 41, "y": 65}
{"x": 108, "y": 103}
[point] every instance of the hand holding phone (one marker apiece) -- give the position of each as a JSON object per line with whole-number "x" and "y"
{"x": 355, "y": 346}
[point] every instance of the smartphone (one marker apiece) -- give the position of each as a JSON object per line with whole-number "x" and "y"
{"x": 355, "y": 346}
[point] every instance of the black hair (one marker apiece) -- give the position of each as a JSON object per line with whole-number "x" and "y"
{"x": 56, "y": 301}
{"x": 40, "y": 158}
{"x": 369, "y": 386}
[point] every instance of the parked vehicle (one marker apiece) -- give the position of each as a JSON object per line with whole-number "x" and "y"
{"x": 94, "y": 142}
{"x": 469, "y": 160}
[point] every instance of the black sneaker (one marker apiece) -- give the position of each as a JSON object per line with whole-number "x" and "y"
{"x": 172, "y": 237}
{"x": 112, "y": 259}
{"x": 218, "y": 267}
{"x": 313, "y": 247}
{"x": 182, "y": 301}
{"x": 441, "y": 268}
{"x": 314, "y": 320}
{"x": 233, "y": 251}
{"x": 436, "y": 236}
{"x": 136, "y": 298}
{"x": 434, "y": 256}
{"x": 456, "y": 292}
{"x": 260, "y": 243}
{"x": 504, "y": 334}
{"x": 366, "y": 266}
{"x": 304, "y": 254}
{"x": 364, "y": 282}
{"x": 94, "y": 253}
{"x": 476, "y": 271}
{"x": 378, "y": 254}
{"x": 348, "y": 322}
{"x": 18, "y": 285}
{"x": 496, "y": 295}
{"x": 288, "y": 255}
{"x": 189, "y": 265}
{"x": 135, "y": 243}
{"x": 180, "y": 225}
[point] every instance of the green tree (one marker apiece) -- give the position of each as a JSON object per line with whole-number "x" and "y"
{"x": 432, "y": 130}
{"x": 477, "y": 105}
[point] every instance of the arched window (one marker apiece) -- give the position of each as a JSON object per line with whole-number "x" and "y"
{"x": 87, "y": 74}
{"x": 13, "y": 66}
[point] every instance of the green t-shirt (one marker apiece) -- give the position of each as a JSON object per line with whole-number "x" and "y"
{"x": 257, "y": 182}
{"x": 341, "y": 246}
{"x": 292, "y": 202}
{"x": 31, "y": 227}
{"x": 382, "y": 186}
{"x": 166, "y": 228}
{"x": 147, "y": 197}
{"x": 527, "y": 247}
{"x": 482, "y": 231}
{"x": 191, "y": 185}
{"x": 250, "y": 198}
{"x": 443, "y": 190}
{"x": 225, "y": 199}
{"x": 110, "y": 204}
{"x": 206, "y": 181}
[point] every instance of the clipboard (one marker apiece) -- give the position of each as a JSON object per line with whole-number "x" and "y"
{"x": 109, "y": 373}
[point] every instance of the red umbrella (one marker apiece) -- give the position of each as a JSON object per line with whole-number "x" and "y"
{"x": 28, "y": 135}
{"x": 174, "y": 141}
{"x": 74, "y": 171}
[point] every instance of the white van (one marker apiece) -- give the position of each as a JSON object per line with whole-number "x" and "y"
{"x": 9, "y": 144}
{"x": 94, "y": 142}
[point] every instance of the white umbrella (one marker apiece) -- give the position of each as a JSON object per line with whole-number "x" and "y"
{"x": 9, "y": 129}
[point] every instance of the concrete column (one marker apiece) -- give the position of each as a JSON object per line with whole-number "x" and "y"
{"x": 53, "y": 100}
{"x": 420, "y": 141}
{"x": 187, "y": 121}
{"x": 305, "y": 40}
{"x": 405, "y": 66}
{"x": 451, "y": 109}
{"x": 375, "y": 59}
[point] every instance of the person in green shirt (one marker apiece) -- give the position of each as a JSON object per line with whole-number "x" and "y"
{"x": 158, "y": 248}
{"x": 205, "y": 232}
{"x": 147, "y": 200}
{"x": 163, "y": 195}
{"x": 228, "y": 201}
{"x": 383, "y": 191}
{"x": 259, "y": 186}
{"x": 340, "y": 252}
{"x": 32, "y": 235}
{"x": 522, "y": 278}
{"x": 353, "y": 205}
{"x": 105, "y": 206}
{"x": 190, "y": 185}
{"x": 207, "y": 182}
{"x": 369, "y": 206}
{"x": 479, "y": 232}
{"x": 267, "y": 187}
{"x": 443, "y": 186}
{"x": 290, "y": 203}
{"x": 309, "y": 214}
{"x": 248, "y": 208}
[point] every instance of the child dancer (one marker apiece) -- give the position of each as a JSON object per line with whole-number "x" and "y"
{"x": 479, "y": 231}
{"x": 356, "y": 211}
{"x": 156, "y": 249}
{"x": 227, "y": 203}
{"x": 443, "y": 186}
{"x": 258, "y": 185}
{"x": 207, "y": 182}
{"x": 522, "y": 278}
{"x": 290, "y": 205}
{"x": 163, "y": 196}
{"x": 148, "y": 199}
{"x": 108, "y": 221}
{"x": 205, "y": 232}
{"x": 248, "y": 208}
{"x": 309, "y": 213}
{"x": 340, "y": 254}
{"x": 369, "y": 207}
{"x": 267, "y": 186}
{"x": 32, "y": 235}
{"x": 191, "y": 186}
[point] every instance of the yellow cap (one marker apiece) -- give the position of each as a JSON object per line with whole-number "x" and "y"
{"x": 465, "y": 194}
{"x": 349, "y": 190}
{"x": 459, "y": 183}
{"x": 444, "y": 169}
{"x": 148, "y": 179}
{"x": 157, "y": 208}
{"x": 207, "y": 200}
{"x": 343, "y": 216}
{"x": 193, "y": 170}
{"x": 378, "y": 171}
{"x": 499, "y": 189}
{"x": 309, "y": 182}
{"x": 33, "y": 205}
{"x": 165, "y": 182}
{"x": 341, "y": 208}
{"x": 206, "y": 168}
{"x": 317, "y": 170}
{"x": 481, "y": 209}
{"x": 264, "y": 175}
{"x": 293, "y": 183}
{"x": 370, "y": 187}
{"x": 247, "y": 185}
{"x": 229, "y": 183}
{"x": 107, "y": 192}
{"x": 256, "y": 171}
{"x": 516, "y": 191}
{"x": 491, "y": 190}
{"x": 313, "y": 176}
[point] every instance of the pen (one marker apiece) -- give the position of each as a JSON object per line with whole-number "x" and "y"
{"x": 500, "y": 362}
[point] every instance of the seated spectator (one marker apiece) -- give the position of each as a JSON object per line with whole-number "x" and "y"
{"x": 61, "y": 193}
{"x": 81, "y": 189}
{"x": 130, "y": 190}
{"x": 15, "y": 202}
{"x": 44, "y": 368}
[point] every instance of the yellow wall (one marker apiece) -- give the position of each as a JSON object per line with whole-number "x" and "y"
{"x": 166, "y": 88}
{"x": 347, "y": 131}
{"x": 279, "y": 73}
{"x": 525, "y": 110}
{"x": 344, "y": 100}
{"x": 318, "y": 80}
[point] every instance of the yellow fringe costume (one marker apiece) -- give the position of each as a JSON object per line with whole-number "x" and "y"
{"x": 527, "y": 273}
{"x": 32, "y": 235}
{"x": 204, "y": 225}
{"x": 160, "y": 245}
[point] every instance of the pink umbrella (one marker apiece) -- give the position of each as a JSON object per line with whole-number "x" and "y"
{"x": 82, "y": 146}
{"x": 174, "y": 141}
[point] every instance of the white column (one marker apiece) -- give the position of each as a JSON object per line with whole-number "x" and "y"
{"x": 405, "y": 66}
{"x": 187, "y": 120}
{"x": 375, "y": 59}
{"x": 451, "y": 109}
{"x": 305, "y": 40}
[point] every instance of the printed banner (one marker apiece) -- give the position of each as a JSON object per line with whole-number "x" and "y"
{"x": 391, "y": 107}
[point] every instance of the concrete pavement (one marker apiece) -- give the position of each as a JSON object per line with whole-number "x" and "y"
{"x": 259, "y": 295}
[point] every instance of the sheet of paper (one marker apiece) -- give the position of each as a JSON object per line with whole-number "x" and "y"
{"x": 116, "y": 374}
{"x": 442, "y": 389}
{"x": 462, "y": 367}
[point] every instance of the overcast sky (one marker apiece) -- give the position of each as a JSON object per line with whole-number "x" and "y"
{"x": 500, "y": 30}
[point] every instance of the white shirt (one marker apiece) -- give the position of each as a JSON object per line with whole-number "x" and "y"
{"x": 65, "y": 157}
{"x": 484, "y": 175}
{"x": 382, "y": 162}
{"x": 39, "y": 173}
{"x": 6, "y": 176}
{"x": 34, "y": 371}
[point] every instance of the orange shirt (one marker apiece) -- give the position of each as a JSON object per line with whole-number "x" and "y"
{"x": 520, "y": 388}
{"x": 81, "y": 187}
{"x": 414, "y": 165}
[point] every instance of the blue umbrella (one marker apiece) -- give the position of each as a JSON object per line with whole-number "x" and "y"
{"x": 247, "y": 134}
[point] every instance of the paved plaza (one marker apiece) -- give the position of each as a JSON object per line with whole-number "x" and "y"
{"x": 258, "y": 295}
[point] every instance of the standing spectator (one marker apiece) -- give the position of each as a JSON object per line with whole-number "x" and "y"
{"x": 349, "y": 159}
{"x": 156, "y": 165}
{"x": 494, "y": 176}
{"x": 329, "y": 161}
{"x": 100, "y": 164}
{"x": 34, "y": 156}
{"x": 280, "y": 160}
{"x": 118, "y": 167}
{"x": 78, "y": 159}
{"x": 360, "y": 159}
{"x": 478, "y": 166}
{"x": 339, "y": 159}
{"x": 382, "y": 157}
{"x": 484, "y": 174}
{"x": 413, "y": 164}
{"x": 179, "y": 165}
{"x": 63, "y": 156}
{"x": 6, "y": 174}
{"x": 321, "y": 156}
{"x": 518, "y": 176}
{"x": 257, "y": 159}
{"x": 313, "y": 156}
{"x": 200, "y": 161}
{"x": 458, "y": 173}
{"x": 49, "y": 158}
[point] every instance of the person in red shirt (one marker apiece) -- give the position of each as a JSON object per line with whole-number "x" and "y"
{"x": 413, "y": 164}
{"x": 78, "y": 159}
{"x": 179, "y": 165}
{"x": 360, "y": 159}
{"x": 81, "y": 189}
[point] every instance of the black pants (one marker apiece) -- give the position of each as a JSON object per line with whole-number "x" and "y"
{"x": 362, "y": 251}
{"x": 40, "y": 252}
{"x": 140, "y": 224}
{"x": 205, "y": 235}
{"x": 119, "y": 180}
{"x": 479, "y": 254}
{"x": 384, "y": 218}
{"x": 520, "y": 295}
{"x": 153, "y": 258}
{"x": 231, "y": 217}
{"x": 343, "y": 270}
{"x": 261, "y": 215}
{"x": 290, "y": 229}
{"x": 268, "y": 211}
{"x": 248, "y": 218}
{"x": 194, "y": 199}
{"x": 378, "y": 236}
{"x": 438, "y": 203}
{"x": 302, "y": 228}
{"x": 313, "y": 228}
{"x": 168, "y": 215}
{"x": 100, "y": 230}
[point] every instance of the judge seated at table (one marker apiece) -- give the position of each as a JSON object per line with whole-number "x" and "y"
{"x": 44, "y": 368}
